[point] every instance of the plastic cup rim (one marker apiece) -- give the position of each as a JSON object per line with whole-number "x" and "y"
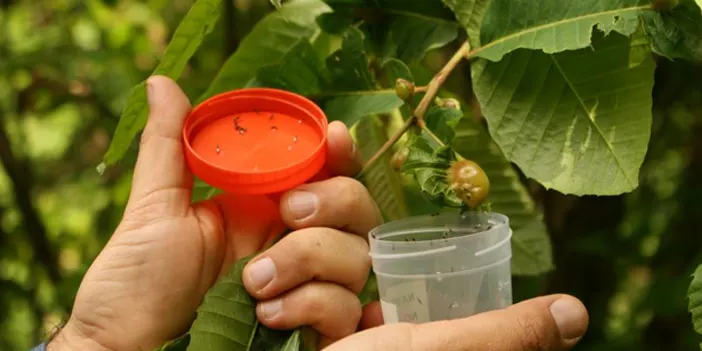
{"x": 383, "y": 237}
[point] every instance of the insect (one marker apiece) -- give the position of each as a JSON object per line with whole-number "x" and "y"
{"x": 218, "y": 149}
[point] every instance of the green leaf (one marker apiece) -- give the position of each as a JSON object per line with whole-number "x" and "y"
{"x": 676, "y": 34}
{"x": 428, "y": 165}
{"x": 369, "y": 293}
{"x": 196, "y": 24}
{"x": 226, "y": 320}
{"x": 300, "y": 71}
{"x": 348, "y": 66}
{"x": 497, "y": 27}
{"x": 417, "y": 9}
{"x": 399, "y": 29}
{"x": 351, "y": 108}
{"x": 276, "y": 340}
{"x": 577, "y": 121}
{"x": 268, "y": 42}
{"x": 443, "y": 121}
{"x": 694, "y": 294}
{"x": 531, "y": 245}
{"x": 179, "y": 344}
{"x": 384, "y": 184}
{"x": 408, "y": 38}
{"x": 343, "y": 84}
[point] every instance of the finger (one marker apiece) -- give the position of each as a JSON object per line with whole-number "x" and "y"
{"x": 341, "y": 202}
{"x": 551, "y": 323}
{"x": 330, "y": 309}
{"x": 343, "y": 156}
{"x": 372, "y": 316}
{"x": 161, "y": 166}
{"x": 322, "y": 254}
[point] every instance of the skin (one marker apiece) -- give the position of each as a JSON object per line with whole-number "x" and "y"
{"x": 144, "y": 287}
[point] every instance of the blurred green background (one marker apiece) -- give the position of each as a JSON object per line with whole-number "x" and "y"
{"x": 67, "y": 66}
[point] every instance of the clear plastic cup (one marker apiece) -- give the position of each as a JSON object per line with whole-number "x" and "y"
{"x": 444, "y": 266}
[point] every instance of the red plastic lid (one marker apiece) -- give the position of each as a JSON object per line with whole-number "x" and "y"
{"x": 256, "y": 141}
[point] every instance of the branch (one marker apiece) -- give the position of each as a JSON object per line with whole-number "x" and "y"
{"x": 421, "y": 110}
{"x": 21, "y": 177}
{"x": 439, "y": 79}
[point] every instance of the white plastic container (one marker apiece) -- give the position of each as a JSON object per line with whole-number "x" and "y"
{"x": 444, "y": 266}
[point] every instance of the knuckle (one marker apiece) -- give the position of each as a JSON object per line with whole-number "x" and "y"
{"x": 307, "y": 244}
{"x": 353, "y": 192}
{"x": 315, "y": 299}
{"x": 530, "y": 333}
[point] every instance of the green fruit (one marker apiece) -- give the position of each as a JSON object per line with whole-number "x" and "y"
{"x": 469, "y": 181}
{"x": 404, "y": 89}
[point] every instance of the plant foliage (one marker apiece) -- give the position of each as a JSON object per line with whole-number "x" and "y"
{"x": 565, "y": 90}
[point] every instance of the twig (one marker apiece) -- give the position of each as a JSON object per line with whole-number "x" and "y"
{"x": 383, "y": 149}
{"x": 418, "y": 116}
{"x": 439, "y": 79}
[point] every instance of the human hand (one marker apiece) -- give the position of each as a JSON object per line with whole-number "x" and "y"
{"x": 549, "y": 323}
{"x": 145, "y": 286}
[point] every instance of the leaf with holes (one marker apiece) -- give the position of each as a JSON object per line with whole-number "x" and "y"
{"x": 497, "y": 27}
{"x": 198, "y": 22}
{"x": 577, "y": 121}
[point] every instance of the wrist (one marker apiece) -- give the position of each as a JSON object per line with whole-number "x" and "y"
{"x": 70, "y": 338}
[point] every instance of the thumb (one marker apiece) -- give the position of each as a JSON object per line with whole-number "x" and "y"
{"x": 554, "y": 323}
{"x": 160, "y": 168}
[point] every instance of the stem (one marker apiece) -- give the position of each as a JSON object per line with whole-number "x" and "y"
{"x": 388, "y": 144}
{"x": 418, "y": 116}
{"x": 424, "y": 127}
{"x": 439, "y": 79}
{"x": 328, "y": 94}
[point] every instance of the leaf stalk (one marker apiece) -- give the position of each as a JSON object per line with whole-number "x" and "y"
{"x": 417, "y": 116}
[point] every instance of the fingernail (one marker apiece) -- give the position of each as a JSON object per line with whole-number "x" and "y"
{"x": 568, "y": 315}
{"x": 302, "y": 204}
{"x": 261, "y": 273}
{"x": 271, "y": 309}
